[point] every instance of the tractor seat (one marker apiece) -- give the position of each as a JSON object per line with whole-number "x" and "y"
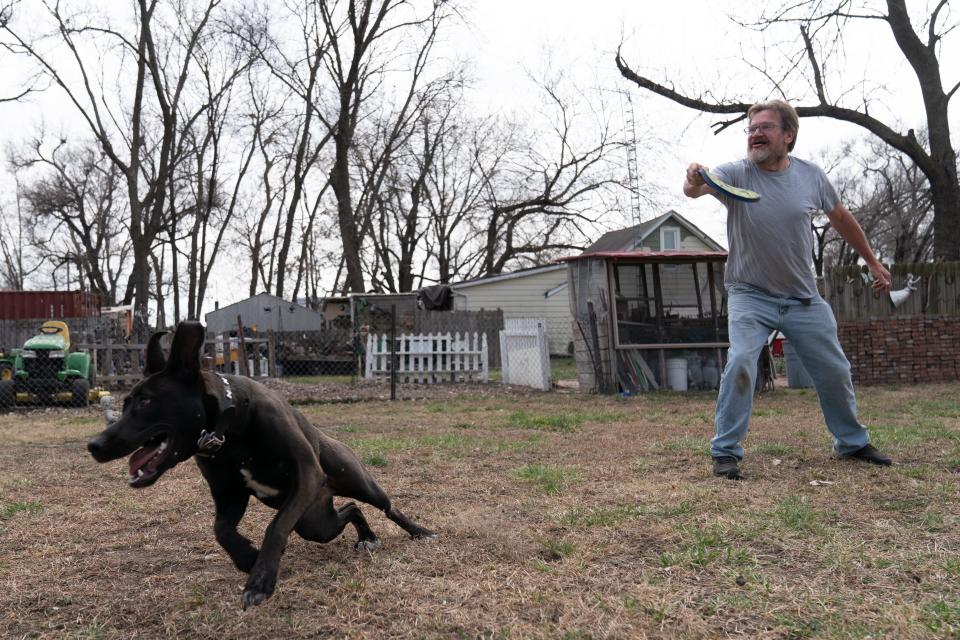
{"x": 56, "y": 327}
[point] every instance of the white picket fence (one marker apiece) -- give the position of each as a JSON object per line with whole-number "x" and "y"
{"x": 429, "y": 358}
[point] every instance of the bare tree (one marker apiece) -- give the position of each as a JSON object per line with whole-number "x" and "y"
{"x": 78, "y": 204}
{"x": 20, "y": 261}
{"x": 890, "y": 197}
{"x": 393, "y": 161}
{"x": 820, "y": 28}
{"x": 132, "y": 114}
{"x": 294, "y": 65}
{"x": 469, "y": 150}
{"x": 366, "y": 37}
{"x": 213, "y": 153}
{"x": 552, "y": 185}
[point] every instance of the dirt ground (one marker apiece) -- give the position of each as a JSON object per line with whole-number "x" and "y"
{"x": 560, "y": 515}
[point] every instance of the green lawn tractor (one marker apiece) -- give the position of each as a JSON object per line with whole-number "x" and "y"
{"x": 44, "y": 371}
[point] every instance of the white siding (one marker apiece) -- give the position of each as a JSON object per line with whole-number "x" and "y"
{"x": 688, "y": 241}
{"x": 523, "y": 297}
{"x": 691, "y": 242}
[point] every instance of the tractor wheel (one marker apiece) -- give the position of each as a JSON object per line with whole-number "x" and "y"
{"x": 81, "y": 393}
{"x": 6, "y": 371}
{"x": 8, "y": 394}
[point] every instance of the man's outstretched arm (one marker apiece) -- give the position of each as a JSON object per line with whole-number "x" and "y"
{"x": 693, "y": 184}
{"x": 851, "y": 231}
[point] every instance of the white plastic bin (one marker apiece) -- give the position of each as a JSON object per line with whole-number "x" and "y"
{"x": 677, "y": 374}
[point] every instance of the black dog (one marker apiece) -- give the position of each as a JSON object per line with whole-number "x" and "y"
{"x": 248, "y": 441}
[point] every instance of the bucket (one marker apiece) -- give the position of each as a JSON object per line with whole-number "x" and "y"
{"x": 677, "y": 374}
{"x": 797, "y": 376}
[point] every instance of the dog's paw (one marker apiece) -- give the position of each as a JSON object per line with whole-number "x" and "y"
{"x": 258, "y": 588}
{"x": 367, "y": 545}
{"x": 252, "y": 598}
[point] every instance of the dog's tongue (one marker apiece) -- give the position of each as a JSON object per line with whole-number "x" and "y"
{"x": 141, "y": 457}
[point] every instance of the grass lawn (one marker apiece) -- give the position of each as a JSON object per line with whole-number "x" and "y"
{"x": 559, "y": 515}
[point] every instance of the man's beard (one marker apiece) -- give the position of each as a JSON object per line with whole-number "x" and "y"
{"x": 764, "y": 155}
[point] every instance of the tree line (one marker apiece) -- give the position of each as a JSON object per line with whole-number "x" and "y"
{"x": 321, "y": 146}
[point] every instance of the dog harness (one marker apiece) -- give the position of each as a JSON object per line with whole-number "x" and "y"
{"x": 210, "y": 442}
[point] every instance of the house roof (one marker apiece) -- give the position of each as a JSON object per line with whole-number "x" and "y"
{"x": 259, "y": 298}
{"x": 651, "y": 256}
{"x": 631, "y": 237}
{"x": 522, "y": 273}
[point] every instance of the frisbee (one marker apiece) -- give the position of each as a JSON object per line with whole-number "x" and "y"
{"x": 736, "y": 193}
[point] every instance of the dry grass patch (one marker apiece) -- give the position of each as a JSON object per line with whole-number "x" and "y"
{"x": 560, "y": 516}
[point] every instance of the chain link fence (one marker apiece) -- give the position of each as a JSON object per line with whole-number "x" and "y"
{"x": 377, "y": 346}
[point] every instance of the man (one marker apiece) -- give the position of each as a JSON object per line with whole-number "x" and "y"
{"x": 771, "y": 283}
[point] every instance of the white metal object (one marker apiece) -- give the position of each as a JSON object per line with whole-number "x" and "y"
{"x": 524, "y": 354}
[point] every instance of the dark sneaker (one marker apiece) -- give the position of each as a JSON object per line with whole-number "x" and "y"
{"x": 869, "y": 454}
{"x": 727, "y": 467}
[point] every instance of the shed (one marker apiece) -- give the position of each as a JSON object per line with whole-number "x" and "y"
{"x": 648, "y": 320}
{"x": 538, "y": 292}
{"x": 264, "y": 312}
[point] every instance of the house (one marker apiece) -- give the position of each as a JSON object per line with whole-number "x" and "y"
{"x": 538, "y": 292}
{"x": 542, "y": 292}
{"x": 668, "y": 232}
{"x": 264, "y": 312}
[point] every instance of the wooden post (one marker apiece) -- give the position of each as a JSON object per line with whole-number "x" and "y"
{"x": 271, "y": 354}
{"x": 658, "y": 303}
{"x": 242, "y": 349}
{"x": 715, "y": 312}
{"x": 393, "y": 352}
{"x": 696, "y": 285}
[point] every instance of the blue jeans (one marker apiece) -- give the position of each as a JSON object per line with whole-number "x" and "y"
{"x": 812, "y": 330}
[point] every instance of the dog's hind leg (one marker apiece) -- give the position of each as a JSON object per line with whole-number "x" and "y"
{"x": 347, "y": 477}
{"x": 367, "y": 490}
{"x": 408, "y": 525}
{"x": 323, "y": 523}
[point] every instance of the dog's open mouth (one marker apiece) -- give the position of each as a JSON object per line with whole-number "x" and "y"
{"x": 146, "y": 461}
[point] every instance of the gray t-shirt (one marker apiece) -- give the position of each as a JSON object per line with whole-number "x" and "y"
{"x": 771, "y": 241}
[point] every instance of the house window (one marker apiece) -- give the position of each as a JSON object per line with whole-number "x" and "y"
{"x": 669, "y": 239}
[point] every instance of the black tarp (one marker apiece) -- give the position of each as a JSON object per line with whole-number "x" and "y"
{"x": 439, "y": 297}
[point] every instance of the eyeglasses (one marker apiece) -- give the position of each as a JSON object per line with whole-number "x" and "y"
{"x": 763, "y": 127}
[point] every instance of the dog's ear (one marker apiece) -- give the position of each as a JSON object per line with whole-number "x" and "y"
{"x": 156, "y": 359}
{"x": 185, "y": 351}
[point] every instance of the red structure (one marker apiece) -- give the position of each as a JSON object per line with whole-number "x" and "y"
{"x": 19, "y": 305}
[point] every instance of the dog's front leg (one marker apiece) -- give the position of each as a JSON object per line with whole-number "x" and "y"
{"x": 230, "y": 506}
{"x": 263, "y": 576}
{"x": 230, "y": 499}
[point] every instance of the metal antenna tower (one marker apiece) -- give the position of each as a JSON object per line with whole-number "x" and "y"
{"x": 632, "y": 173}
